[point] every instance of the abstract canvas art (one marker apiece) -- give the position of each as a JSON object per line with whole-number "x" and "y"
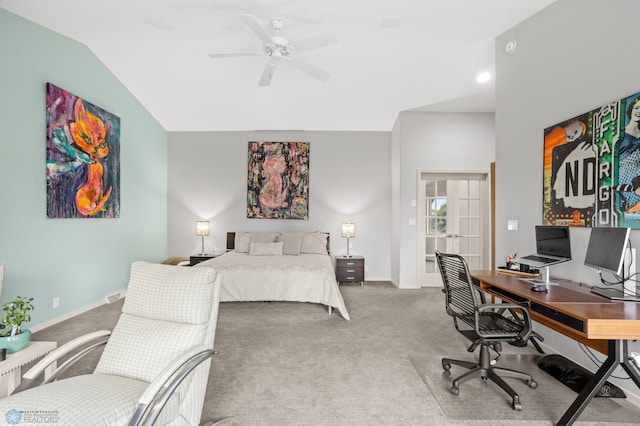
{"x": 278, "y": 180}
{"x": 83, "y": 158}
{"x": 592, "y": 167}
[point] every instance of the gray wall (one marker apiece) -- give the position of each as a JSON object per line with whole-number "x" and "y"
{"x": 571, "y": 57}
{"x": 78, "y": 260}
{"x": 429, "y": 141}
{"x": 349, "y": 181}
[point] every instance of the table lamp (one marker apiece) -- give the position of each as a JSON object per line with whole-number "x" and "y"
{"x": 202, "y": 230}
{"x": 348, "y": 231}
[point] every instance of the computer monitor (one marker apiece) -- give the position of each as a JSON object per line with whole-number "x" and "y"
{"x": 553, "y": 241}
{"x": 606, "y": 252}
{"x": 606, "y": 249}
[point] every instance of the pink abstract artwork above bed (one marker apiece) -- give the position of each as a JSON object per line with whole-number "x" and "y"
{"x": 278, "y": 180}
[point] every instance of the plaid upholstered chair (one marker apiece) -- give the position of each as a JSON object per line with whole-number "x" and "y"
{"x": 155, "y": 365}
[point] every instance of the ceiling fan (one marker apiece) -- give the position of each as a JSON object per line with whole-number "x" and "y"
{"x": 277, "y": 49}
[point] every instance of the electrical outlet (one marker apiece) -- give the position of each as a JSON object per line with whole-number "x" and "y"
{"x": 56, "y": 302}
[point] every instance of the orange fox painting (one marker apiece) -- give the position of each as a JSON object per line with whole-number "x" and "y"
{"x": 83, "y": 165}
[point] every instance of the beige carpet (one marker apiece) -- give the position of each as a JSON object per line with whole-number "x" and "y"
{"x": 547, "y": 402}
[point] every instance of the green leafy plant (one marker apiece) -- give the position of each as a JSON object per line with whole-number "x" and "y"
{"x": 15, "y": 313}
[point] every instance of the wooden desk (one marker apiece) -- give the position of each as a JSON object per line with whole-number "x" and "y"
{"x": 577, "y": 313}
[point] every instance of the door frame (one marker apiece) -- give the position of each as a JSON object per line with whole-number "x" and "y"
{"x": 488, "y": 223}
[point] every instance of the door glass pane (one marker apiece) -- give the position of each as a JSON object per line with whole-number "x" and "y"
{"x": 474, "y": 244}
{"x": 463, "y": 226}
{"x": 474, "y": 207}
{"x": 430, "y": 189}
{"x": 474, "y": 189}
{"x": 463, "y": 189}
{"x": 429, "y": 245}
{"x": 474, "y": 226}
{"x": 441, "y": 188}
{"x": 463, "y": 207}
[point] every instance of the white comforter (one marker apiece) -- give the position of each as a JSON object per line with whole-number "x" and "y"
{"x": 303, "y": 278}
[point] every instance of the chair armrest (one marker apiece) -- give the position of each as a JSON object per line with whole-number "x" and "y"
{"x": 53, "y": 356}
{"x": 525, "y": 320}
{"x": 152, "y": 401}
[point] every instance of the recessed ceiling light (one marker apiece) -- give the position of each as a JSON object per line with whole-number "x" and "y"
{"x": 483, "y": 77}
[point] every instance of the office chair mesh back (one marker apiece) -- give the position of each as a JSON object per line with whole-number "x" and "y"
{"x": 485, "y": 326}
{"x": 463, "y": 299}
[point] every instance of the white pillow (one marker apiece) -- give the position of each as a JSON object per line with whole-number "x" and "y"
{"x": 292, "y": 243}
{"x": 263, "y": 237}
{"x": 266, "y": 249}
{"x": 314, "y": 243}
{"x": 241, "y": 244}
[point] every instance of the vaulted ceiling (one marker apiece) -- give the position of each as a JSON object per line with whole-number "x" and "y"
{"x": 390, "y": 56}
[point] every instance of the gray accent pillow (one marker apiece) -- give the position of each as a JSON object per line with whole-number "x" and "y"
{"x": 314, "y": 243}
{"x": 292, "y": 244}
{"x": 241, "y": 244}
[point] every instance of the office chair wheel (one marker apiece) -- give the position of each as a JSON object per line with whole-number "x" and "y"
{"x": 516, "y": 405}
{"x": 455, "y": 390}
{"x": 446, "y": 366}
{"x": 532, "y": 384}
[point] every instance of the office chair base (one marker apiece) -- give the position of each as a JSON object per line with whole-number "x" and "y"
{"x": 485, "y": 371}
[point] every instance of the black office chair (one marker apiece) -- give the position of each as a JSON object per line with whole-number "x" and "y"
{"x": 482, "y": 323}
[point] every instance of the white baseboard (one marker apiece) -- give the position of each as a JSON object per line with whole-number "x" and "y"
{"x": 108, "y": 299}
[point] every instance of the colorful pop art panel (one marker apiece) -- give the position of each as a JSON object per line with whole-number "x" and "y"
{"x": 278, "y": 180}
{"x": 592, "y": 168}
{"x": 83, "y": 158}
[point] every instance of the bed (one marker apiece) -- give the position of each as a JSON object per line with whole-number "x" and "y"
{"x": 278, "y": 266}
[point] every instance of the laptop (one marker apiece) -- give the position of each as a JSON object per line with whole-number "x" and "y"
{"x": 552, "y": 246}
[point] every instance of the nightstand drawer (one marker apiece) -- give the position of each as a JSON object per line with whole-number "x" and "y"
{"x": 349, "y": 269}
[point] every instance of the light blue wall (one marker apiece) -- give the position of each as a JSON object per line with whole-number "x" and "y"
{"x": 78, "y": 260}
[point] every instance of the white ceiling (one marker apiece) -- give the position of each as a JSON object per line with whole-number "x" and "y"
{"x": 392, "y": 56}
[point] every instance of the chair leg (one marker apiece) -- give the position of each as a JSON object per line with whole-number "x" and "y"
{"x": 484, "y": 370}
{"x": 515, "y": 398}
{"x": 447, "y": 362}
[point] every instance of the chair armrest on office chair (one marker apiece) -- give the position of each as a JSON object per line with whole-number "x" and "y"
{"x": 525, "y": 320}
{"x": 97, "y": 338}
{"x": 154, "y": 398}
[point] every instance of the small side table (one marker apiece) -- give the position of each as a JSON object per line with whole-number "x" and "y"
{"x": 10, "y": 368}
{"x": 197, "y": 258}
{"x": 350, "y": 269}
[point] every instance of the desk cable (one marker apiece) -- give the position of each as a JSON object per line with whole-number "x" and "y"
{"x": 593, "y": 358}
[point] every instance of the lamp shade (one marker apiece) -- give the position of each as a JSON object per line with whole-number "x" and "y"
{"x": 348, "y": 229}
{"x": 202, "y": 228}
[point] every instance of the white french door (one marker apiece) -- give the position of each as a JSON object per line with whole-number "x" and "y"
{"x": 453, "y": 213}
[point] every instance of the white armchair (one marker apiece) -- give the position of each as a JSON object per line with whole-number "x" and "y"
{"x": 155, "y": 365}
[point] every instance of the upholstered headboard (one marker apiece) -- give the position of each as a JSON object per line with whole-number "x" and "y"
{"x": 231, "y": 240}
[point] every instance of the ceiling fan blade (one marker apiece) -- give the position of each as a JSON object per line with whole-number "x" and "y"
{"x": 310, "y": 69}
{"x": 316, "y": 42}
{"x": 232, "y": 54}
{"x": 257, "y": 29}
{"x": 267, "y": 74}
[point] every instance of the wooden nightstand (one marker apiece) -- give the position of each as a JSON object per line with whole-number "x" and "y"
{"x": 197, "y": 258}
{"x": 350, "y": 269}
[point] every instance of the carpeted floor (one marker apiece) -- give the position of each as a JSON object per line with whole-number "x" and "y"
{"x": 293, "y": 364}
{"x": 548, "y": 401}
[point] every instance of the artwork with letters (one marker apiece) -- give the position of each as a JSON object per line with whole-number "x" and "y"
{"x": 592, "y": 168}
{"x": 278, "y": 180}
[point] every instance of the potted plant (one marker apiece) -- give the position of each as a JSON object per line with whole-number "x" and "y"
{"x": 16, "y": 312}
